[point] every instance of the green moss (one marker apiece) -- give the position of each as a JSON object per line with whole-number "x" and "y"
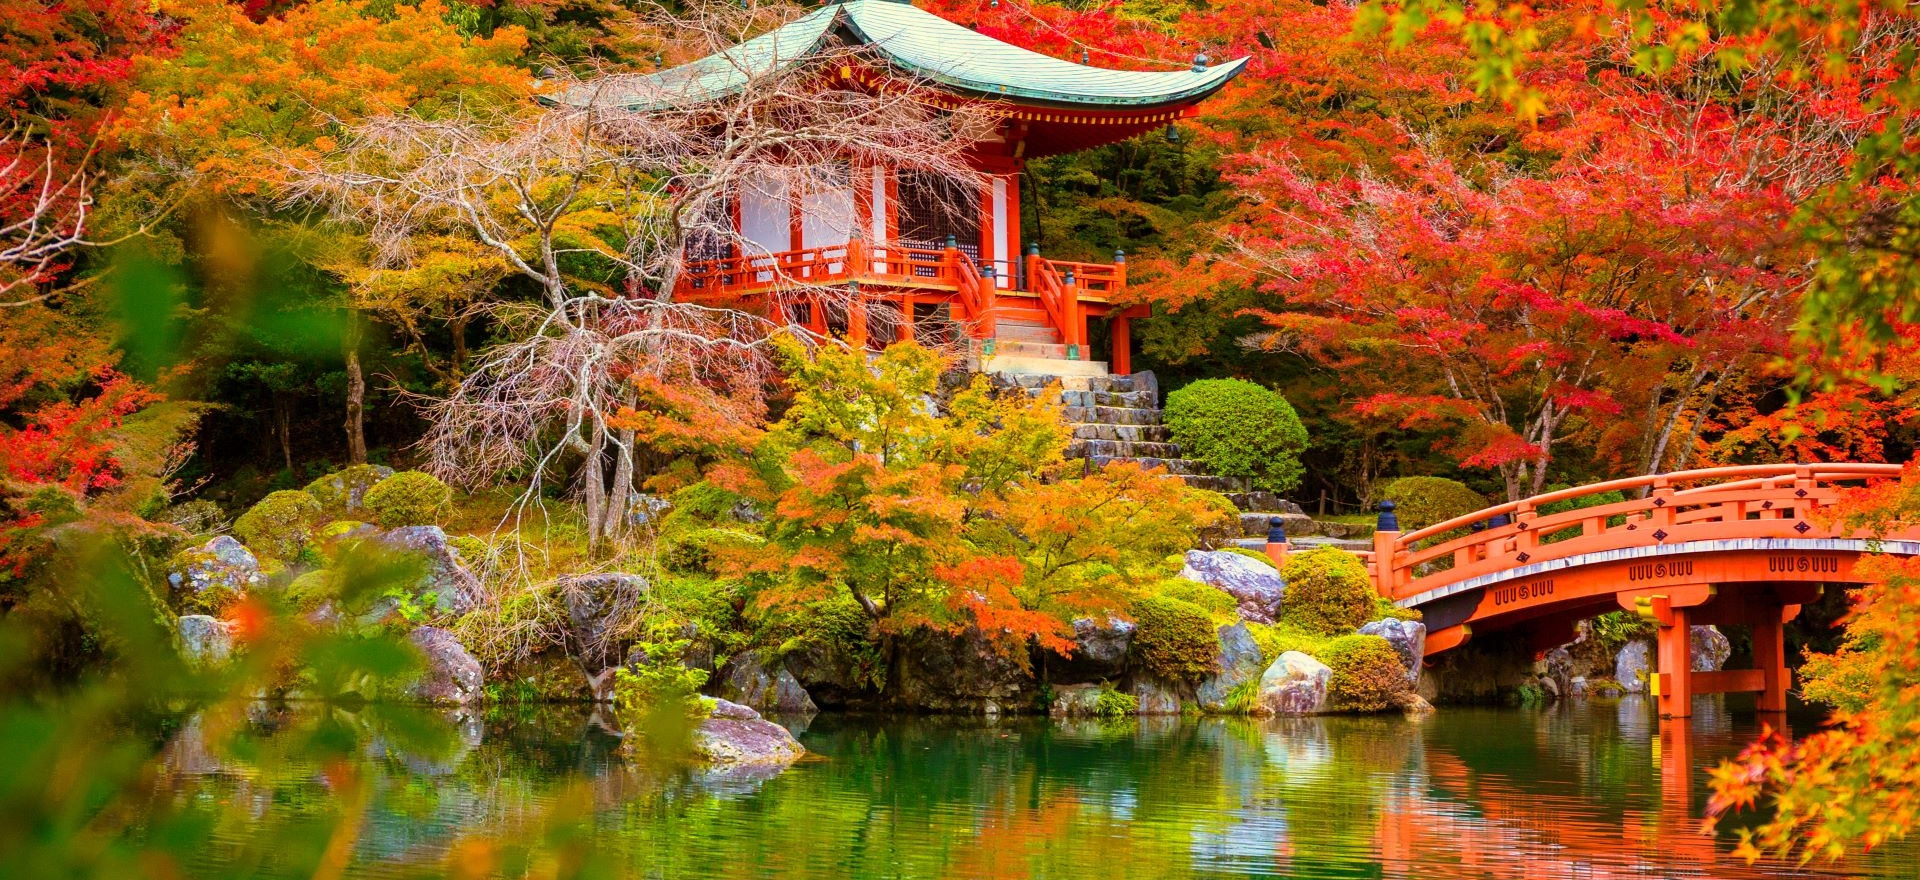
{"x": 1328, "y": 591}
{"x": 408, "y": 498}
{"x": 1114, "y": 704}
{"x": 280, "y": 526}
{"x": 1424, "y": 501}
{"x": 310, "y": 590}
{"x": 473, "y": 549}
{"x": 1250, "y": 554}
{"x": 1174, "y": 641}
{"x": 1212, "y": 599}
{"x": 1367, "y": 674}
{"x": 344, "y": 491}
{"x": 1384, "y": 609}
{"x": 1239, "y": 429}
{"x": 1280, "y": 638}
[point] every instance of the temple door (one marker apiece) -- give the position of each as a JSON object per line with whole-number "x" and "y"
{"x": 827, "y": 217}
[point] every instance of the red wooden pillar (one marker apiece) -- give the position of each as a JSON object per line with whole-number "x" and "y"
{"x": 1122, "y": 346}
{"x": 1673, "y": 683}
{"x": 1770, "y": 656}
{"x": 857, "y": 321}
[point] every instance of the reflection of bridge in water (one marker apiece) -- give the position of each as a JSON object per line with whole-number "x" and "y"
{"x": 1738, "y": 546}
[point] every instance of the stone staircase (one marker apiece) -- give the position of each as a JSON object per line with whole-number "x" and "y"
{"x": 1117, "y": 418}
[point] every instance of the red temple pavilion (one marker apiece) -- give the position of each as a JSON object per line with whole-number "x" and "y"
{"x": 879, "y": 231}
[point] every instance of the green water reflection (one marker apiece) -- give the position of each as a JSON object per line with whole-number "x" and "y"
{"x": 1573, "y": 792}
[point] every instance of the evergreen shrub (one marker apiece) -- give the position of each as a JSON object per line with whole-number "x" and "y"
{"x": 1328, "y": 591}
{"x": 1174, "y": 641}
{"x": 1419, "y": 502}
{"x": 408, "y": 498}
{"x": 1114, "y": 704}
{"x": 1239, "y": 429}
{"x": 1583, "y": 502}
{"x": 1367, "y": 674}
{"x": 280, "y": 526}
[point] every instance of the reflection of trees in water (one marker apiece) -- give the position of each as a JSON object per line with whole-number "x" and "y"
{"x": 1464, "y": 794}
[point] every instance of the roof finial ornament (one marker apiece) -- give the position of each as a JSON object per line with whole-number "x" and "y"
{"x": 1085, "y": 58}
{"x": 1199, "y": 62}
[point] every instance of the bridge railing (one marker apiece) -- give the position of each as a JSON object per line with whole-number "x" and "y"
{"x": 1759, "y": 501}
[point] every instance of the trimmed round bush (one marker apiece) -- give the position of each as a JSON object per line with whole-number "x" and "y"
{"x": 280, "y": 526}
{"x": 408, "y": 498}
{"x": 1328, "y": 591}
{"x": 1174, "y": 641}
{"x": 1367, "y": 674}
{"x": 1423, "y": 501}
{"x": 1239, "y": 429}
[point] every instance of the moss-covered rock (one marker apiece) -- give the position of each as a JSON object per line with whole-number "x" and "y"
{"x": 209, "y": 578}
{"x": 1367, "y": 674}
{"x": 1328, "y": 591}
{"x": 1174, "y": 641}
{"x": 343, "y": 491}
{"x": 281, "y": 525}
{"x": 408, "y": 498}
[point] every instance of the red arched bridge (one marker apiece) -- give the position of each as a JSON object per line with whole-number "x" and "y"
{"x": 1728, "y": 546}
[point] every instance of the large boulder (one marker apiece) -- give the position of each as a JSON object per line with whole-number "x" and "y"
{"x": 1255, "y": 586}
{"x": 342, "y": 491}
{"x": 1408, "y": 638}
{"x": 1099, "y": 651}
{"x": 447, "y": 586}
{"x": 452, "y": 676}
{"x": 1240, "y": 662}
{"x": 833, "y": 675}
{"x": 1075, "y": 701}
{"x": 736, "y": 735}
{"x": 213, "y": 575}
{"x": 1295, "y": 684}
{"x": 596, "y": 603}
{"x": 962, "y": 673}
{"x": 747, "y": 679}
{"x": 1709, "y": 647}
{"x": 204, "y": 641}
{"x": 1155, "y": 697}
{"x": 1632, "y": 664}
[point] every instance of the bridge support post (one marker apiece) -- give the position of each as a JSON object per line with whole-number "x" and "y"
{"x": 1770, "y": 655}
{"x": 1673, "y": 683}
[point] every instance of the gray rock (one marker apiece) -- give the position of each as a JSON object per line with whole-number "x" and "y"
{"x": 748, "y": 679}
{"x": 1156, "y": 698}
{"x": 1075, "y": 701}
{"x": 962, "y": 673}
{"x": 1255, "y": 586}
{"x": 645, "y": 509}
{"x": 452, "y": 676}
{"x": 447, "y": 587}
{"x": 1414, "y": 704}
{"x": 1296, "y": 684}
{"x": 735, "y": 735}
{"x": 1240, "y": 662}
{"x": 1632, "y": 664}
{"x": 1100, "y": 651}
{"x": 220, "y": 564}
{"x": 595, "y": 603}
{"x": 1709, "y": 647}
{"x": 204, "y": 641}
{"x": 1408, "y": 638}
{"x": 343, "y": 490}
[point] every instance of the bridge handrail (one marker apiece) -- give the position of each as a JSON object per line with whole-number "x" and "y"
{"x": 1758, "y": 473}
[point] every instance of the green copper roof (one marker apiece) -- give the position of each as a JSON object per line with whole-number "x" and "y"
{"x": 922, "y": 44}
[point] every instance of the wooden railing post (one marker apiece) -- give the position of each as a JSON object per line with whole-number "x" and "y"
{"x": 1070, "y": 315}
{"x": 1277, "y": 542}
{"x": 1386, "y": 536}
{"x": 856, "y": 255}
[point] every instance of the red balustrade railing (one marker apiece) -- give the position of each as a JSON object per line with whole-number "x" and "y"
{"x": 1761, "y": 501}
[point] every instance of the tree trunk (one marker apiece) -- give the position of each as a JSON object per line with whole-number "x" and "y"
{"x": 356, "y": 393}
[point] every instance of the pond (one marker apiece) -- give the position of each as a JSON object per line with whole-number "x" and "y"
{"x": 1590, "y": 790}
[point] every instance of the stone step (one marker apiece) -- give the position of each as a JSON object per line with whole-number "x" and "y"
{"x": 1113, "y": 415}
{"x": 1122, "y": 449}
{"x": 1014, "y": 331}
{"x": 1263, "y": 502}
{"x": 1046, "y": 368}
{"x": 1130, "y": 433}
{"x": 1029, "y": 349}
{"x": 1216, "y": 483}
{"x": 1255, "y": 525}
{"x": 1125, "y": 399}
{"x": 1310, "y": 542}
{"x": 1180, "y": 466}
